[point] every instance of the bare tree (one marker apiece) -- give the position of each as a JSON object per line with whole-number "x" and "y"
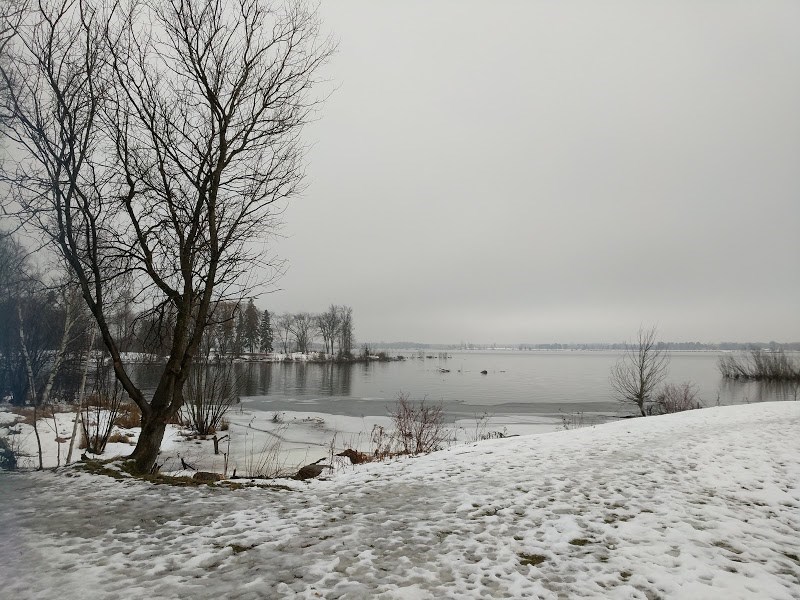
{"x": 640, "y": 370}
{"x": 346, "y": 339}
{"x": 328, "y": 326}
{"x": 81, "y": 390}
{"x": 122, "y": 319}
{"x": 155, "y": 139}
{"x": 303, "y": 329}
{"x": 14, "y": 292}
{"x": 283, "y": 327}
{"x": 34, "y": 349}
{"x": 39, "y": 395}
{"x": 221, "y": 329}
{"x": 11, "y": 13}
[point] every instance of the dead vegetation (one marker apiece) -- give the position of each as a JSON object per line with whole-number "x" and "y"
{"x": 674, "y": 398}
{"x": 760, "y": 365}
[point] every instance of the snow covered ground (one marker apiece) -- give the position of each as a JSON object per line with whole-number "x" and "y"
{"x": 257, "y": 440}
{"x": 703, "y": 504}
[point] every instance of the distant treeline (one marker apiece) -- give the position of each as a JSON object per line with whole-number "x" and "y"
{"x": 731, "y": 346}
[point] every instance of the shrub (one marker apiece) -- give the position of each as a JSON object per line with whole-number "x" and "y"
{"x": 675, "y": 398}
{"x": 573, "y": 420}
{"x": 419, "y": 428}
{"x": 102, "y": 408}
{"x": 760, "y": 365}
{"x": 211, "y": 390}
{"x": 382, "y": 442}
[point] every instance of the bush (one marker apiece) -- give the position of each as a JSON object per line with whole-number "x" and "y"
{"x": 760, "y": 365}
{"x": 211, "y": 390}
{"x": 419, "y": 428}
{"x": 382, "y": 442}
{"x": 675, "y": 398}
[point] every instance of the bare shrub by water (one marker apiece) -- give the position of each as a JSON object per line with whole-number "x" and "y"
{"x": 419, "y": 427}
{"x": 674, "y": 398}
{"x": 212, "y": 389}
{"x": 760, "y": 365}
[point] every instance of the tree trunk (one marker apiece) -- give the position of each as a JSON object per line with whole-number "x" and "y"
{"x": 58, "y": 437}
{"x": 81, "y": 392}
{"x": 31, "y": 384}
{"x": 147, "y": 448}
{"x": 38, "y": 438}
{"x": 167, "y": 401}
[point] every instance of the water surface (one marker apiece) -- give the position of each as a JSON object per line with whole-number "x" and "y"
{"x": 521, "y": 382}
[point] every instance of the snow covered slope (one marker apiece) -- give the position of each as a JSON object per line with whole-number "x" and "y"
{"x": 704, "y": 504}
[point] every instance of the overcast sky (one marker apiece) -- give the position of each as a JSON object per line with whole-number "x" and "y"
{"x": 554, "y": 171}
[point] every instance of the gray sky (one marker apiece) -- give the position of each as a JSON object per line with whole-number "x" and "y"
{"x": 554, "y": 171}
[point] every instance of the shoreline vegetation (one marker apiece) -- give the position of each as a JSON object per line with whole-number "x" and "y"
{"x": 272, "y": 357}
{"x": 760, "y": 365}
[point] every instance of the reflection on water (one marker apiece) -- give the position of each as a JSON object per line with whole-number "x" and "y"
{"x": 516, "y": 382}
{"x": 743, "y": 392}
{"x": 297, "y": 379}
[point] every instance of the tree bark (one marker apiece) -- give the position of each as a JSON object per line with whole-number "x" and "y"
{"x": 149, "y": 445}
{"x": 81, "y": 392}
{"x": 31, "y": 384}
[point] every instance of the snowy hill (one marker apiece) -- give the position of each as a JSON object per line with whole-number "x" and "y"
{"x": 703, "y": 504}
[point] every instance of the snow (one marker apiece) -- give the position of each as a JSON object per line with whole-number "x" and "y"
{"x": 702, "y": 504}
{"x": 285, "y": 440}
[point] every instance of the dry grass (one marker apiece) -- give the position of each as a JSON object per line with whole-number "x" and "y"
{"x": 118, "y": 437}
{"x": 265, "y": 462}
{"x": 44, "y": 412}
{"x": 25, "y": 413}
{"x": 129, "y": 416}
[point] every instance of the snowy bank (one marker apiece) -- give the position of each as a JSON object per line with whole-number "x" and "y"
{"x": 703, "y": 504}
{"x": 270, "y": 441}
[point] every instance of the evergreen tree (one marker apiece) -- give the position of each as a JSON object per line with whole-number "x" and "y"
{"x": 249, "y": 323}
{"x": 265, "y": 332}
